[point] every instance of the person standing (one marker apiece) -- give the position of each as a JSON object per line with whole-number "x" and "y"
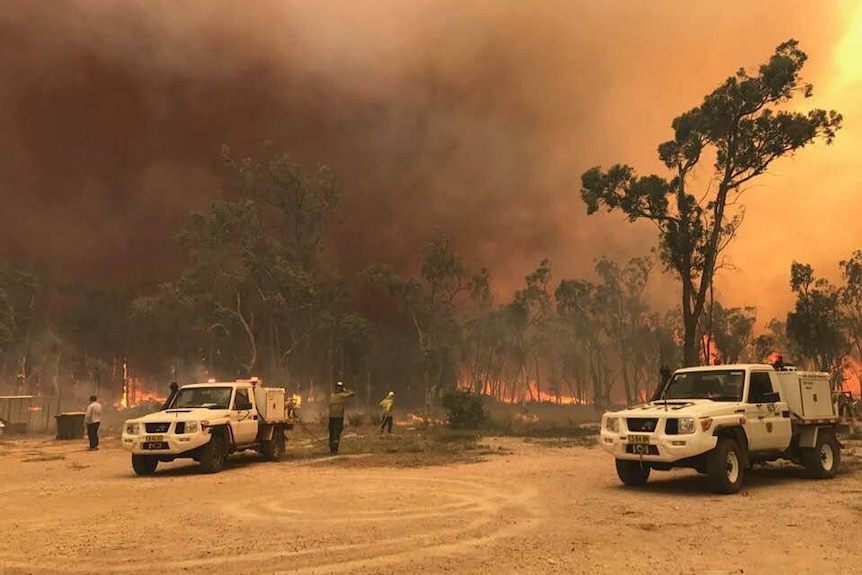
{"x": 336, "y": 415}
{"x": 92, "y": 418}
{"x": 386, "y": 405}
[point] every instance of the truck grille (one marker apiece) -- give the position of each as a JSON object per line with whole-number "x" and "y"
{"x": 644, "y": 424}
{"x": 157, "y": 427}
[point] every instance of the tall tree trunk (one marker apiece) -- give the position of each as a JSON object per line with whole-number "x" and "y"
{"x": 527, "y": 385}
{"x": 55, "y": 379}
{"x": 538, "y": 380}
{"x": 370, "y": 403}
{"x": 690, "y": 347}
{"x": 627, "y": 384}
{"x": 596, "y": 378}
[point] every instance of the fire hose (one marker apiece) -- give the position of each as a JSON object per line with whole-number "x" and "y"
{"x": 314, "y": 437}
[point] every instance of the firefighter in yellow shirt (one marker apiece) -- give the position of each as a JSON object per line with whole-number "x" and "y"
{"x": 386, "y": 405}
{"x": 336, "y": 415}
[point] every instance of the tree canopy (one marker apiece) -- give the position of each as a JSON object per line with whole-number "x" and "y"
{"x": 742, "y": 127}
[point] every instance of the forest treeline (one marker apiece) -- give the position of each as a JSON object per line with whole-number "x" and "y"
{"x": 258, "y": 297}
{"x": 259, "y": 293}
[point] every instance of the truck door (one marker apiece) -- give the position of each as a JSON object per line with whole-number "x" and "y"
{"x": 768, "y": 428}
{"x": 243, "y": 417}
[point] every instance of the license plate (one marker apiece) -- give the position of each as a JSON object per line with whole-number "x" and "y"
{"x": 154, "y": 438}
{"x": 641, "y": 439}
{"x": 155, "y": 445}
{"x": 641, "y": 449}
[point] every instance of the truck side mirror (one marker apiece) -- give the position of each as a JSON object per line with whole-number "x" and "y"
{"x": 771, "y": 397}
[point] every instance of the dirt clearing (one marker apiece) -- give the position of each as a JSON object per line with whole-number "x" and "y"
{"x": 520, "y": 507}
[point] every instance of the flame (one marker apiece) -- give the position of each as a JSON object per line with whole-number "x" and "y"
{"x": 712, "y": 351}
{"x": 414, "y": 419}
{"x": 532, "y": 393}
{"x": 527, "y": 417}
{"x": 852, "y": 376}
{"x": 296, "y": 400}
{"x": 133, "y": 396}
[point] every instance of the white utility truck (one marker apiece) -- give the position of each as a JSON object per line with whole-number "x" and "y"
{"x": 209, "y": 421}
{"x": 722, "y": 419}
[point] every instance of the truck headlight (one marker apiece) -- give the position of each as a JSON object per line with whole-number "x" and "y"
{"x": 612, "y": 424}
{"x": 131, "y": 429}
{"x": 191, "y": 427}
{"x": 686, "y": 425}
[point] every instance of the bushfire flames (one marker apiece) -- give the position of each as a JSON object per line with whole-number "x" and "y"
{"x": 413, "y": 419}
{"x": 530, "y": 393}
{"x": 851, "y": 380}
{"x": 132, "y": 397}
{"x": 852, "y": 373}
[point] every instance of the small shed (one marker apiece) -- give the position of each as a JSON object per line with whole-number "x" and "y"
{"x": 27, "y": 413}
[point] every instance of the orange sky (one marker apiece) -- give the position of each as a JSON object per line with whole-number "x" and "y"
{"x": 808, "y": 208}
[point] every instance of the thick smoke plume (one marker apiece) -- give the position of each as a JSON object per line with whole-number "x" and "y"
{"x": 474, "y": 119}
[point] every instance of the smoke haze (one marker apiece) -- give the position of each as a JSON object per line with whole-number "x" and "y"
{"x": 475, "y": 119}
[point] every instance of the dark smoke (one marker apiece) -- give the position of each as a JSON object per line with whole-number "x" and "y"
{"x": 474, "y": 119}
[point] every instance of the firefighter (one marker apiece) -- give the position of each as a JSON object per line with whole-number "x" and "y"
{"x": 336, "y": 415}
{"x": 93, "y": 418}
{"x": 386, "y": 405}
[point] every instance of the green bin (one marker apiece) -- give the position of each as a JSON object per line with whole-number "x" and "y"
{"x": 70, "y": 425}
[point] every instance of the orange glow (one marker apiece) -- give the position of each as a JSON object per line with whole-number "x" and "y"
{"x": 712, "y": 351}
{"x": 852, "y": 373}
{"x": 532, "y": 393}
{"x": 848, "y": 68}
{"x": 413, "y": 419}
{"x": 134, "y": 396}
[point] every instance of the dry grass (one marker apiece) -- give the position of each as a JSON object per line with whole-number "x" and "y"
{"x": 574, "y": 441}
{"x": 364, "y": 446}
{"x": 405, "y": 447}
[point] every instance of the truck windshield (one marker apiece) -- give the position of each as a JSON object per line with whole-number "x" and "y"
{"x": 207, "y": 397}
{"x": 718, "y": 385}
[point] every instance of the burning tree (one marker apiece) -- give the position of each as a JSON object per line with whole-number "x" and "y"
{"x": 741, "y": 124}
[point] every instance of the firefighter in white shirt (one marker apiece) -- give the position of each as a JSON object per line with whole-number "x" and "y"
{"x": 92, "y": 418}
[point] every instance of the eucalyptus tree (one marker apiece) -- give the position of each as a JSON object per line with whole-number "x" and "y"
{"x": 430, "y": 303}
{"x": 742, "y": 126}
{"x": 816, "y": 323}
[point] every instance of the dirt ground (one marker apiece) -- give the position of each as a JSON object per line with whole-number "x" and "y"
{"x": 524, "y": 507}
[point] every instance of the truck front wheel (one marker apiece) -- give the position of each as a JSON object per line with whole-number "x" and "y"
{"x": 273, "y": 449}
{"x": 632, "y": 473}
{"x": 822, "y": 461}
{"x": 724, "y": 467}
{"x": 213, "y": 455}
{"x": 144, "y": 464}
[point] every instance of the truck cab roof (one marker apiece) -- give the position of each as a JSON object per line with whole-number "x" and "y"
{"x": 217, "y": 384}
{"x": 729, "y": 366}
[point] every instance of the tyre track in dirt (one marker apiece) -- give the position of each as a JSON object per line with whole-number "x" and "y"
{"x": 423, "y": 515}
